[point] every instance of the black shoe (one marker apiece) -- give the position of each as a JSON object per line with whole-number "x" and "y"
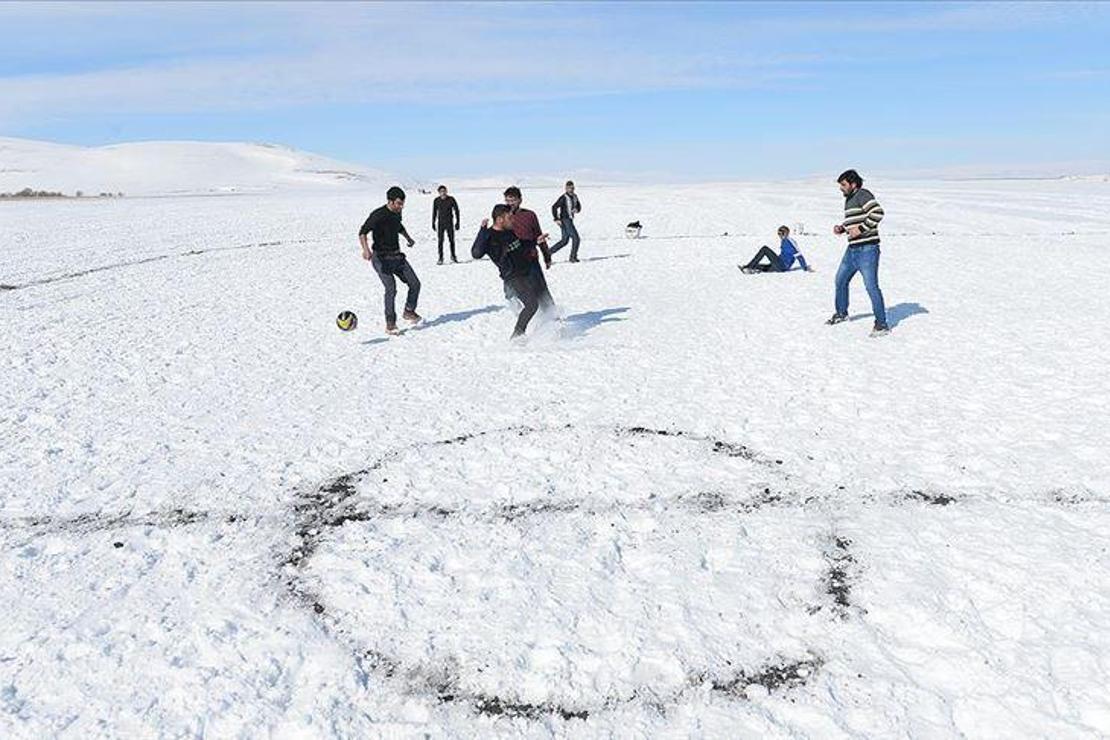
{"x": 836, "y": 318}
{"x": 880, "y": 330}
{"x": 440, "y": 262}
{"x": 455, "y": 259}
{"x": 574, "y": 259}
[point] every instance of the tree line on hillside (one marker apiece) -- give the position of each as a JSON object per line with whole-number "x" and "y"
{"x": 30, "y": 193}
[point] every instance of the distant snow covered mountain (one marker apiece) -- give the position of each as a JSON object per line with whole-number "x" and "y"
{"x": 176, "y": 168}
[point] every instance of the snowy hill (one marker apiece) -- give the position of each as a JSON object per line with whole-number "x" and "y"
{"x": 175, "y": 168}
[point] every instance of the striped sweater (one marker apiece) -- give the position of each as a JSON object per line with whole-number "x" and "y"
{"x": 861, "y": 209}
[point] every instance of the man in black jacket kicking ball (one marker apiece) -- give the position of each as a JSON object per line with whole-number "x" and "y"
{"x": 514, "y": 261}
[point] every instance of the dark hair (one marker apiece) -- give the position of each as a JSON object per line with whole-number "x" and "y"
{"x": 395, "y": 193}
{"x": 442, "y": 187}
{"x": 570, "y": 182}
{"x": 851, "y": 176}
{"x": 784, "y": 229}
{"x": 513, "y": 191}
{"x": 500, "y": 210}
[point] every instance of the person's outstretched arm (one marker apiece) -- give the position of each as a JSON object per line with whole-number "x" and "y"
{"x": 405, "y": 234}
{"x": 798, "y": 253}
{"x": 481, "y": 244}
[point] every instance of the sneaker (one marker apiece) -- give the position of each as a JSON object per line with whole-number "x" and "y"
{"x": 455, "y": 259}
{"x": 412, "y": 317}
{"x": 836, "y": 318}
{"x": 391, "y": 328}
{"x": 880, "y": 330}
{"x": 574, "y": 259}
{"x": 440, "y": 262}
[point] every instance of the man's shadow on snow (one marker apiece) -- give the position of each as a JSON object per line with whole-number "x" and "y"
{"x": 450, "y": 318}
{"x": 447, "y": 318}
{"x": 579, "y": 324}
{"x": 896, "y": 314}
{"x": 606, "y": 257}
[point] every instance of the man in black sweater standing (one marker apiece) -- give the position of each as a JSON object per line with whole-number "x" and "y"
{"x": 563, "y": 211}
{"x": 384, "y": 253}
{"x": 445, "y": 212}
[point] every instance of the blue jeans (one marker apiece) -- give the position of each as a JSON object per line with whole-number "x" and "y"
{"x": 864, "y": 260}
{"x": 570, "y": 233}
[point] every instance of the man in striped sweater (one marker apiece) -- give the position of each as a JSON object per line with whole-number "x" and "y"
{"x": 862, "y": 214}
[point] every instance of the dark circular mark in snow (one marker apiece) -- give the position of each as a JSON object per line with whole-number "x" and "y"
{"x": 336, "y": 502}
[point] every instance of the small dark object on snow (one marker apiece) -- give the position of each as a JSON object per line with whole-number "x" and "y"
{"x": 117, "y": 545}
{"x": 936, "y": 499}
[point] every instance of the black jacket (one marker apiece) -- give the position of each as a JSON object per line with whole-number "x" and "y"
{"x": 505, "y": 250}
{"x": 559, "y": 207}
{"x": 443, "y": 209}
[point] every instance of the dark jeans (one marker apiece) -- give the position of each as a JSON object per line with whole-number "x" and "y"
{"x": 448, "y": 229}
{"x": 570, "y": 233}
{"x": 539, "y": 284}
{"x": 523, "y": 288}
{"x": 775, "y": 262}
{"x": 864, "y": 260}
{"x": 407, "y": 276}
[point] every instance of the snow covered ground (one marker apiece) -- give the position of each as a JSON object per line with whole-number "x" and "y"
{"x": 689, "y": 509}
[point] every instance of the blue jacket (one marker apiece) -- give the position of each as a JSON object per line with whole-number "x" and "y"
{"x": 788, "y": 251}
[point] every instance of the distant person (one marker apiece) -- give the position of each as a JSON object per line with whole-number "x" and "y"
{"x": 445, "y": 212}
{"x": 781, "y": 262}
{"x": 526, "y": 225}
{"x": 862, "y": 214}
{"x": 514, "y": 264}
{"x": 563, "y": 211}
{"x": 384, "y": 253}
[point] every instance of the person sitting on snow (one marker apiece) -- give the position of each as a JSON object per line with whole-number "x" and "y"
{"x": 781, "y": 262}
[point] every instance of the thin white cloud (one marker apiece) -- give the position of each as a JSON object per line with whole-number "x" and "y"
{"x": 390, "y": 54}
{"x": 228, "y": 57}
{"x": 863, "y": 17}
{"x": 1089, "y": 73}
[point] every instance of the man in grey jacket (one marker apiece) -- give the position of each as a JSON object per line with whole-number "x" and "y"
{"x": 862, "y": 214}
{"x": 563, "y": 211}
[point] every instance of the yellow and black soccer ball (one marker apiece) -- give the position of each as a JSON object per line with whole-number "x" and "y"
{"x": 346, "y": 320}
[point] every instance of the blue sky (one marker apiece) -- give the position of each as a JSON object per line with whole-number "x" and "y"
{"x": 690, "y": 90}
